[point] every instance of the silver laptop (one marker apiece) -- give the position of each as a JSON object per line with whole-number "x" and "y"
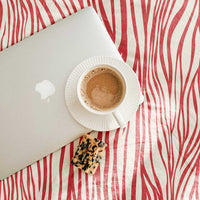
{"x": 34, "y": 120}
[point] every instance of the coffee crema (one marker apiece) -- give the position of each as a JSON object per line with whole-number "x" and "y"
{"x": 102, "y": 89}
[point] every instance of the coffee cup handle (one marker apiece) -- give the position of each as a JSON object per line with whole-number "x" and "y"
{"x": 118, "y": 116}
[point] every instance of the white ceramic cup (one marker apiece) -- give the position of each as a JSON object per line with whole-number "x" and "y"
{"x": 114, "y": 111}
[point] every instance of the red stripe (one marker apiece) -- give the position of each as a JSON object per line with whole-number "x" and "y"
{"x": 23, "y": 7}
{"x": 88, "y": 2}
{"x": 96, "y": 176}
{"x": 1, "y": 47}
{"x": 105, "y": 20}
{"x": 123, "y": 44}
{"x": 81, "y": 3}
{"x": 39, "y": 174}
{"x": 1, "y": 13}
{"x": 8, "y": 187}
{"x": 8, "y": 23}
{"x": 32, "y": 15}
{"x": 106, "y": 168}
{"x": 144, "y": 176}
{"x": 22, "y": 20}
{"x": 47, "y": 11}
{"x": 44, "y": 177}
{"x": 145, "y": 16}
{"x": 33, "y": 183}
{"x": 86, "y": 186}
{"x": 50, "y": 177}
{"x": 162, "y": 38}
{"x": 4, "y": 189}
{"x": 94, "y": 5}
{"x": 112, "y": 3}
{"x": 115, "y": 183}
{"x": 79, "y": 184}
{"x": 69, "y": 12}
{"x": 23, "y": 192}
{"x": 73, "y": 5}
{"x": 137, "y": 154}
{"x": 79, "y": 177}
{"x": 137, "y": 53}
{"x": 28, "y": 182}
{"x": 18, "y": 23}
{"x": 124, "y": 164}
{"x": 62, "y": 155}
{"x": 71, "y": 189}
{"x": 59, "y": 9}
{"x": 0, "y": 188}
{"x": 12, "y": 187}
{"x": 16, "y": 185}
{"x": 14, "y": 22}
{"x": 93, "y": 188}
{"x": 39, "y": 18}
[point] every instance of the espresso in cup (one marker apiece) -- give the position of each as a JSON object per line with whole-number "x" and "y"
{"x": 102, "y": 89}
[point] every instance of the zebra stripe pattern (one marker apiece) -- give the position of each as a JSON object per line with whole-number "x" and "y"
{"x": 157, "y": 156}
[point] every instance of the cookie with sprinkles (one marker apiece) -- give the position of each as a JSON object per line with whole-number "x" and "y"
{"x": 88, "y": 154}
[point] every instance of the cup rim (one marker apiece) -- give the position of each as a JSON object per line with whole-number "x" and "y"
{"x": 119, "y": 72}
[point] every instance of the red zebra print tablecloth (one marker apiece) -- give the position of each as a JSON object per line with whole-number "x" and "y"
{"x": 158, "y": 155}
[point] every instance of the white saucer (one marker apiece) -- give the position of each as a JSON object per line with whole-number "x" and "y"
{"x": 102, "y": 122}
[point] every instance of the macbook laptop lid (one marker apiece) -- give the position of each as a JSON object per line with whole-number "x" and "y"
{"x": 34, "y": 120}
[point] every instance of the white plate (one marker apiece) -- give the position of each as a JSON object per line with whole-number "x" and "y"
{"x": 102, "y": 122}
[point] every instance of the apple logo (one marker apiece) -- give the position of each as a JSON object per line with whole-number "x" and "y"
{"x": 45, "y": 89}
